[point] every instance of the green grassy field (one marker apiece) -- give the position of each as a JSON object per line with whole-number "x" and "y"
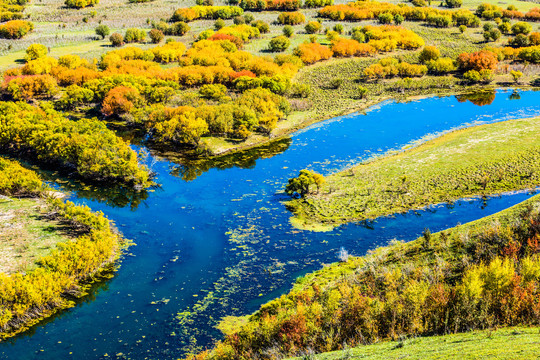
{"x": 510, "y": 343}
{"x": 26, "y": 234}
{"x": 441, "y": 170}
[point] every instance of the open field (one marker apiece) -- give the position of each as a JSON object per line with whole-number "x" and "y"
{"x": 510, "y": 343}
{"x": 26, "y": 234}
{"x": 441, "y": 170}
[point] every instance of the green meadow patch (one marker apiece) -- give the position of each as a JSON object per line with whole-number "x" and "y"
{"x": 511, "y": 343}
{"x": 483, "y": 160}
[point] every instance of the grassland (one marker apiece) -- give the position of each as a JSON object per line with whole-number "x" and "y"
{"x": 509, "y": 343}
{"x": 27, "y": 234}
{"x": 441, "y": 170}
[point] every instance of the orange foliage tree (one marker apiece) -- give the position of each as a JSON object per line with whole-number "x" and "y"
{"x": 480, "y": 60}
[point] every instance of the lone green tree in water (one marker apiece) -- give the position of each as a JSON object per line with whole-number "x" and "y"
{"x": 303, "y": 181}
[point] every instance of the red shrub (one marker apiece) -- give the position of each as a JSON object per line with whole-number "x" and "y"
{"x": 479, "y": 60}
{"x": 120, "y": 100}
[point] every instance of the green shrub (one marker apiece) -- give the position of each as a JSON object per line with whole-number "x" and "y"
{"x": 102, "y": 30}
{"x": 453, "y": 3}
{"x": 74, "y": 96}
{"x": 520, "y": 40}
{"x": 134, "y": 35}
{"x": 441, "y": 21}
{"x": 288, "y": 31}
{"x": 177, "y": 29}
{"x": 219, "y": 24}
{"x": 386, "y": 18}
{"x": 213, "y": 91}
{"x": 300, "y": 90}
{"x": 429, "y": 53}
{"x": 358, "y": 35}
{"x": 279, "y": 44}
{"x": 505, "y": 28}
{"x": 317, "y": 3}
{"x": 521, "y": 28}
{"x": 262, "y": 26}
{"x": 313, "y": 27}
{"x": 492, "y": 35}
{"x": 239, "y": 20}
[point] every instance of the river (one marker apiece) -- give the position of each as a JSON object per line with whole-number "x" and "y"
{"x": 215, "y": 239}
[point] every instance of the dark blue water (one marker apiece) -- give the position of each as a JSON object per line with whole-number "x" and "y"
{"x": 221, "y": 244}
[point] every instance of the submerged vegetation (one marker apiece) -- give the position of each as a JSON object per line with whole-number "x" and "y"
{"x": 441, "y": 170}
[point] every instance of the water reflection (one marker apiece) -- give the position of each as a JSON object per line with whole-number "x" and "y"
{"x": 515, "y": 95}
{"x": 480, "y": 98}
{"x": 189, "y": 170}
{"x": 112, "y": 196}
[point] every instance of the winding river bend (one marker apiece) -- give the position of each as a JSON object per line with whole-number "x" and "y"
{"x": 216, "y": 241}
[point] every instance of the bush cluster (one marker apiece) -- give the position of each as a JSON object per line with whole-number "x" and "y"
{"x": 15, "y": 29}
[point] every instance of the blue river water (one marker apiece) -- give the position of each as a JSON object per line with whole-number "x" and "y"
{"x": 221, "y": 243}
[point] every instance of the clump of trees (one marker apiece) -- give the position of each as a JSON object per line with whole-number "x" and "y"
{"x": 260, "y": 5}
{"x": 291, "y": 18}
{"x": 206, "y": 12}
{"x": 15, "y": 29}
{"x": 390, "y": 67}
{"x": 303, "y": 183}
{"x": 79, "y": 4}
{"x": 134, "y": 36}
{"x": 480, "y": 60}
{"x": 310, "y": 53}
{"x": 178, "y": 28}
{"x": 350, "y": 47}
{"x": 85, "y": 146}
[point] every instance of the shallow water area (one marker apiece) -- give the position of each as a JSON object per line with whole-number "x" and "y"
{"x": 215, "y": 239}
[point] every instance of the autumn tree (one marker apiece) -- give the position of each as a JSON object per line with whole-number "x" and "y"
{"x": 302, "y": 183}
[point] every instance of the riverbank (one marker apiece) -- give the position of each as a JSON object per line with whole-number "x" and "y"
{"x": 218, "y": 147}
{"x": 438, "y": 284}
{"x": 51, "y": 250}
{"x": 478, "y": 161}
